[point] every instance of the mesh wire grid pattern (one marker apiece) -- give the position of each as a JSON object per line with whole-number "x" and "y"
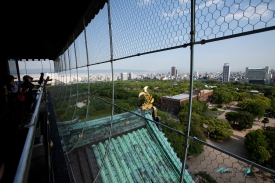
{"x": 98, "y": 40}
{"x": 225, "y": 168}
{"x": 152, "y": 25}
{"x": 66, "y": 60}
{"x": 218, "y": 18}
{"x": 72, "y": 138}
{"x": 222, "y": 167}
{"x": 65, "y": 91}
{"x": 72, "y": 58}
{"x": 81, "y": 50}
{"x": 146, "y": 26}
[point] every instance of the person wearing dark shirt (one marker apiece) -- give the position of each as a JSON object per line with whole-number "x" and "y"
{"x": 26, "y": 89}
{"x": 8, "y": 122}
{"x": 10, "y": 90}
{"x": 41, "y": 79}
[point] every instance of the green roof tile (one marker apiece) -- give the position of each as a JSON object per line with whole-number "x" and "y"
{"x": 144, "y": 155}
{"x": 139, "y": 157}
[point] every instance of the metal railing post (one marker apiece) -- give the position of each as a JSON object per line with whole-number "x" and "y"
{"x": 87, "y": 56}
{"x": 76, "y": 68}
{"x": 192, "y": 40}
{"x": 66, "y": 85}
{"x": 111, "y": 57}
{"x": 23, "y": 168}
{"x": 70, "y": 78}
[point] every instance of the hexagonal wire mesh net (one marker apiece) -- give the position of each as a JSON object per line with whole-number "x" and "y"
{"x": 222, "y": 167}
{"x": 218, "y": 18}
{"x": 147, "y": 26}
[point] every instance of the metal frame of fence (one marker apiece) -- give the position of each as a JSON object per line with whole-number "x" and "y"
{"x": 180, "y": 18}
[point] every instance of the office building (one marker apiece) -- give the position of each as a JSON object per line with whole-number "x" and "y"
{"x": 131, "y": 76}
{"x": 258, "y": 75}
{"x": 173, "y": 103}
{"x": 123, "y": 76}
{"x": 173, "y": 71}
{"x": 226, "y": 73}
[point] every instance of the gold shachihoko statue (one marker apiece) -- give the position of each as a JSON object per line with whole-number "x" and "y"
{"x": 148, "y": 103}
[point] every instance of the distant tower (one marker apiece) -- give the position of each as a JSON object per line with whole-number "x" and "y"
{"x": 131, "y": 76}
{"x": 173, "y": 71}
{"x": 226, "y": 73}
{"x": 124, "y": 76}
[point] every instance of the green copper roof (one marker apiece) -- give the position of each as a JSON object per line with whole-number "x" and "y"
{"x": 140, "y": 155}
{"x": 98, "y": 130}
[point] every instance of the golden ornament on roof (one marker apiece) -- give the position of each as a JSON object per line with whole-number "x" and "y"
{"x": 148, "y": 103}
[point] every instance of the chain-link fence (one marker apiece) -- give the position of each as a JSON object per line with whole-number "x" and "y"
{"x": 224, "y": 166}
{"x": 124, "y": 29}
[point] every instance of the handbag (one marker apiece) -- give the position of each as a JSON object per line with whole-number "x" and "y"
{"x": 21, "y": 97}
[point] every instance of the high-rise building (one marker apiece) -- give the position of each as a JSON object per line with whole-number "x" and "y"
{"x": 131, "y": 76}
{"x": 258, "y": 75}
{"x": 124, "y": 76}
{"x": 226, "y": 73}
{"x": 173, "y": 71}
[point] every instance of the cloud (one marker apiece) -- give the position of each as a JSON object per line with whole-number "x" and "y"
{"x": 250, "y": 12}
{"x": 177, "y": 10}
{"x": 209, "y": 3}
{"x": 181, "y": 12}
{"x": 144, "y": 2}
{"x": 177, "y": 38}
{"x": 184, "y": 1}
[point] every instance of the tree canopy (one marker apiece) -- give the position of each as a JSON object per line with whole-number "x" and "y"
{"x": 270, "y": 136}
{"x": 256, "y": 143}
{"x": 177, "y": 141}
{"x": 256, "y": 105}
{"x": 260, "y": 155}
{"x": 218, "y": 128}
{"x": 240, "y": 120}
{"x": 265, "y": 121}
{"x": 254, "y": 139}
{"x": 126, "y": 92}
{"x": 222, "y": 96}
{"x": 197, "y": 106}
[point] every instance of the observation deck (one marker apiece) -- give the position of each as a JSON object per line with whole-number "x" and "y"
{"x": 84, "y": 34}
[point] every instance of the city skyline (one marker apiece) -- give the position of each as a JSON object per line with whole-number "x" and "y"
{"x": 118, "y": 71}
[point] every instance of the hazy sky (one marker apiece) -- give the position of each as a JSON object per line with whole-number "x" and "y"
{"x": 249, "y": 51}
{"x": 156, "y": 24}
{"x": 256, "y": 50}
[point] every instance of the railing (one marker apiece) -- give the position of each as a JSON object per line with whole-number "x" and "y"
{"x": 48, "y": 140}
{"x": 22, "y": 172}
